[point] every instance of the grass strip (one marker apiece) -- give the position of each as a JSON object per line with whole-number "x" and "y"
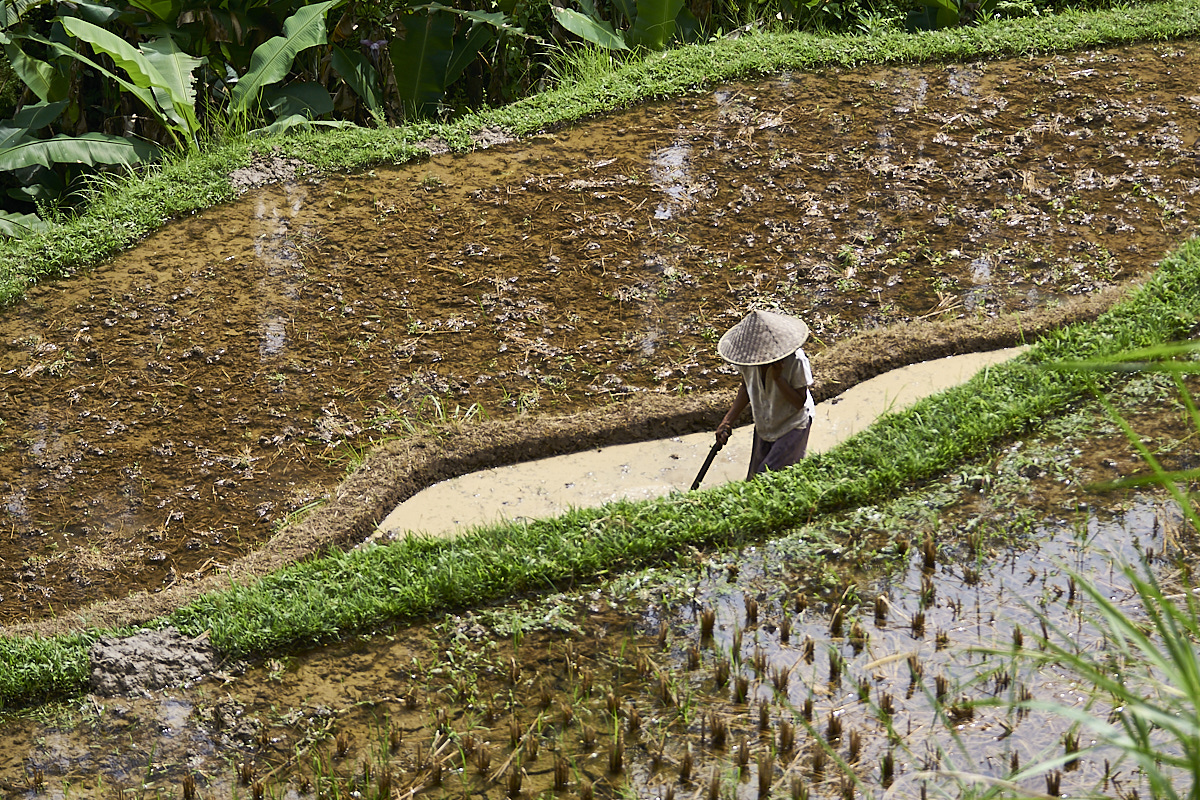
{"x": 121, "y": 213}
{"x": 33, "y": 670}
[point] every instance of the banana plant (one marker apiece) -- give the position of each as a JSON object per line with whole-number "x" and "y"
{"x": 21, "y": 150}
{"x": 272, "y": 60}
{"x": 15, "y": 225}
{"x": 437, "y": 44}
{"x": 157, "y": 72}
{"x": 649, "y": 24}
{"x": 936, "y": 14}
{"x": 44, "y": 168}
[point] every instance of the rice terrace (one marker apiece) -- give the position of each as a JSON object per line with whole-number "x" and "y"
{"x": 986, "y": 595}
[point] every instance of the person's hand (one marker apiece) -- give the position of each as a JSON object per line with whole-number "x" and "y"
{"x": 724, "y": 431}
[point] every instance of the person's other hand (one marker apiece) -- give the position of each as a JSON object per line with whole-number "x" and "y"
{"x": 724, "y": 431}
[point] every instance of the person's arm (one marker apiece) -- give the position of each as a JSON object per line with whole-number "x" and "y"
{"x": 797, "y": 397}
{"x": 725, "y": 429}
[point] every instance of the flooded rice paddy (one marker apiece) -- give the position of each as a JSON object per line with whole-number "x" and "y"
{"x": 741, "y": 674}
{"x": 166, "y": 412}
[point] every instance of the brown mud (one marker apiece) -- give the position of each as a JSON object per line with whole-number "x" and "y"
{"x": 166, "y": 413}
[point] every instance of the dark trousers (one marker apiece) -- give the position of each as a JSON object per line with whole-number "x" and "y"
{"x": 783, "y": 452}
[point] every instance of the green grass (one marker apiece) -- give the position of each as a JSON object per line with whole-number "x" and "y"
{"x": 365, "y": 590}
{"x": 33, "y": 670}
{"x": 1144, "y": 678}
{"x": 121, "y": 215}
{"x": 1147, "y": 675}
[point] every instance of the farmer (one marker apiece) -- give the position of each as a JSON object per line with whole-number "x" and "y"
{"x": 776, "y": 376}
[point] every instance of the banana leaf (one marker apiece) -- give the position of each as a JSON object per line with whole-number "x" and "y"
{"x": 655, "y": 24}
{"x": 40, "y": 184}
{"x": 42, "y": 78}
{"x": 171, "y": 121}
{"x": 360, "y": 75}
{"x": 311, "y": 100}
{"x": 596, "y": 31}
{"x": 90, "y": 149}
{"x": 97, "y": 14}
{"x": 124, "y": 55}
{"x": 298, "y": 122}
{"x": 272, "y": 60}
{"x": 13, "y": 10}
{"x": 421, "y": 58}
{"x": 629, "y": 9}
{"x": 177, "y": 70}
{"x": 165, "y": 10}
{"x": 466, "y": 50}
{"x": 500, "y": 20}
{"x": 934, "y": 15}
{"x": 29, "y": 118}
{"x": 173, "y": 91}
{"x": 15, "y": 226}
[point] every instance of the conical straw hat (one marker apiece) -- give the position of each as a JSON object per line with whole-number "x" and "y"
{"x": 762, "y": 338}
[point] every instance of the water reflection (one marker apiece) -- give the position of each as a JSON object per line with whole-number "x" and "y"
{"x": 274, "y": 336}
{"x": 669, "y": 169}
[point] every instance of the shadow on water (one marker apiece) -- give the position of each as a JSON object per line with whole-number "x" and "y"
{"x": 165, "y": 412}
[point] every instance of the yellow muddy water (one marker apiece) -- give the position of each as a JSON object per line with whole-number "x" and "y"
{"x": 547, "y": 487}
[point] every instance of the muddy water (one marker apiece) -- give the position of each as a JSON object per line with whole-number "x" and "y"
{"x": 550, "y": 486}
{"x": 164, "y": 413}
{"x": 623, "y": 689}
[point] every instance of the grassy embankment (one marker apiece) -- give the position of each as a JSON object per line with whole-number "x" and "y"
{"x": 122, "y": 214}
{"x": 366, "y": 590}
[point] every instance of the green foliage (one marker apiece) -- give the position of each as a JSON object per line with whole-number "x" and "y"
{"x": 154, "y": 70}
{"x": 1148, "y": 672}
{"x": 434, "y": 44}
{"x": 46, "y": 82}
{"x": 654, "y": 23}
{"x": 160, "y": 75}
{"x": 34, "y": 669}
{"x": 89, "y": 149}
{"x": 591, "y": 29}
{"x": 357, "y": 70}
{"x": 272, "y": 60}
{"x": 421, "y": 58}
{"x": 18, "y": 225}
{"x": 649, "y": 24}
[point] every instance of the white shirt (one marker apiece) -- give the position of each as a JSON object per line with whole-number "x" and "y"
{"x": 774, "y": 415}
